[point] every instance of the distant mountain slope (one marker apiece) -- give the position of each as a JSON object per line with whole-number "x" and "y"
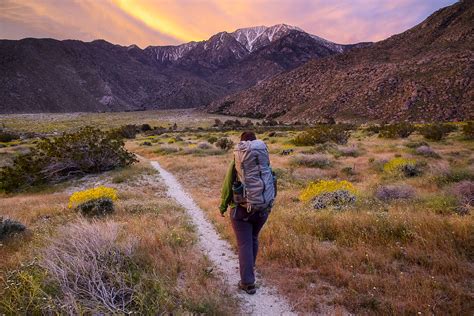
{"x": 425, "y": 73}
{"x": 45, "y": 75}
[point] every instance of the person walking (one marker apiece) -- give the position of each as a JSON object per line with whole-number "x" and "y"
{"x": 249, "y": 189}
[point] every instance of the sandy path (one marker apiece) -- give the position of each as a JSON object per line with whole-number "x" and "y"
{"x": 266, "y": 301}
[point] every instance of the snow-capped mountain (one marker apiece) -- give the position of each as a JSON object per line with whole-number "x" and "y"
{"x": 171, "y": 53}
{"x": 250, "y": 40}
{"x": 114, "y": 77}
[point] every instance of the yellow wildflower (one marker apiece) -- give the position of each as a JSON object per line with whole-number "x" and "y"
{"x": 396, "y": 164}
{"x": 101, "y": 192}
{"x": 325, "y": 186}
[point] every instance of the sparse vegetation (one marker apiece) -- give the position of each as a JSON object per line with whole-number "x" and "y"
{"x": 468, "y": 130}
{"x": 399, "y": 130}
{"x": 436, "y": 132}
{"x": 385, "y": 242}
{"x": 312, "y": 161}
{"x": 338, "y": 133}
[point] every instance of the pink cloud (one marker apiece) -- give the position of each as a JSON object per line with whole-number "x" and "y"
{"x": 161, "y": 22}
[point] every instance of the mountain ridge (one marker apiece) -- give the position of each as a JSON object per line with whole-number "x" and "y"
{"x": 47, "y": 75}
{"x": 424, "y": 73}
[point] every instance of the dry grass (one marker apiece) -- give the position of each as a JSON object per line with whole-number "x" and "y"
{"x": 145, "y": 252}
{"x": 384, "y": 258}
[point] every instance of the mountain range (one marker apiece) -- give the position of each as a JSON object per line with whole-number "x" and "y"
{"x": 47, "y": 75}
{"x": 423, "y": 74}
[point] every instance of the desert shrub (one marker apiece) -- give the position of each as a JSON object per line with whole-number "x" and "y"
{"x": 312, "y": 161}
{"x": 464, "y": 192}
{"x": 347, "y": 151}
{"x": 217, "y": 123}
{"x": 166, "y": 150}
{"x": 7, "y": 136}
{"x": 94, "y": 269}
{"x": 402, "y": 167}
{"x": 224, "y": 143}
{"x": 146, "y": 143}
{"x": 338, "y": 133}
{"x": 94, "y": 202}
{"x": 442, "y": 204}
{"x": 373, "y": 129}
{"x": 426, "y": 151}
{"x": 97, "y": 207}
{"x": 436, "y": 132}
{"x": 453, "y": 175}
{"x": 203, "y": 145}
{"x": 399, "y": 130}
{"x": 414, "y": 145}
{"x": 468, "y": 130}
{"x": 388, "y": 193}
{"x": 86, "y": 151}
{"x": 145, "y": 127}
{"x": 348, "y": 171}
{"x": 212, "y": 139}
{"x": 9, "y": 227}
{"x": 128, "y": 131}
{"x": 338, "y": 200}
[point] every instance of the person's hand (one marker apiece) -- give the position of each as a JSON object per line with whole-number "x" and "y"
{"x": 222, "y": 212}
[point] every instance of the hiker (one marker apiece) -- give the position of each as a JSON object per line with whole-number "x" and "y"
{"x": 249, "y": 189}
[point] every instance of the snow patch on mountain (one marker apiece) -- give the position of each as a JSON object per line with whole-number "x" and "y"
{"x": 247, "y": 40}
{"x": 172, "y": 53}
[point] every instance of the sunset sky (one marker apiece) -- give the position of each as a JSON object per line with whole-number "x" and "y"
{"x": 170, "y": 22}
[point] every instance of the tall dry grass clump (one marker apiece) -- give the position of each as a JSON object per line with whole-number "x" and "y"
{"x": 92, "y": 266}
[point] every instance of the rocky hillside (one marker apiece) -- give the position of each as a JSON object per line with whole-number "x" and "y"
{"x": 425, "y": 73}
{"x": 46, "y": 75}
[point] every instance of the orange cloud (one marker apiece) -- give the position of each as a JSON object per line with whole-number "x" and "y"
{"x": 169, "y": 22}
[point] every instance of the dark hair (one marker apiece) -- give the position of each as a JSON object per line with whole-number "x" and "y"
{"x": 248, "y": 136}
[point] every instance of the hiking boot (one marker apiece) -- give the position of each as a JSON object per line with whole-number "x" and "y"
{"x": 248, "y": 288}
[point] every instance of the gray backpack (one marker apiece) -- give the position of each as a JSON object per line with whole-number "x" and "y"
{"x": 256, "y": 186}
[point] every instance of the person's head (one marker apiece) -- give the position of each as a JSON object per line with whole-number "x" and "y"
{"x": 247, "y": 136}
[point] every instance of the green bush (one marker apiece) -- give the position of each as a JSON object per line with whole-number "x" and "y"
{"x": 436, "y": 131}
{"x": 212, "y": 139}
{"x": 224, "y": 143}
{"x": 86, "y": 151}
{"x": 468, "y": 130}
{"x": 96, "y": 207}
{"x": 399, "y": 130}
{"x": 338, "y": 133}
{"x": 128, "y": 131}
{"x": 6, "y": 136}
{"x": 145, "y": 127}
{"x": 373, "y": 129}
{"x": 452, "y": 176}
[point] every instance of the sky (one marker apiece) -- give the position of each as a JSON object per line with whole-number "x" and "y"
{"x": 171, "y": 22}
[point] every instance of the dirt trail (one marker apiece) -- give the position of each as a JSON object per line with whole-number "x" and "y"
{"x": 266, "y": 301}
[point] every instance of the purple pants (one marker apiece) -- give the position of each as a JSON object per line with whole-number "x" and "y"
{"x": 246, "y": 231}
